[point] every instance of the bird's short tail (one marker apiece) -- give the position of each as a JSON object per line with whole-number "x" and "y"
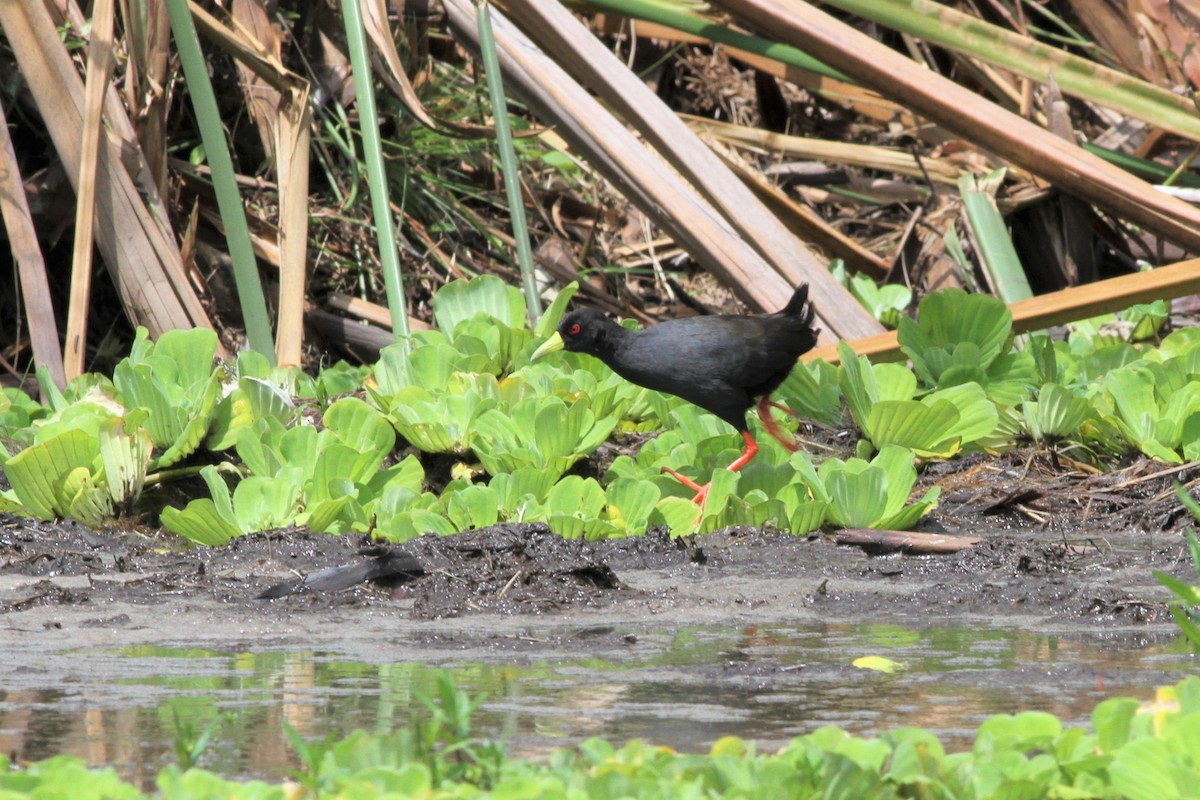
{"x": 799, "y": 307}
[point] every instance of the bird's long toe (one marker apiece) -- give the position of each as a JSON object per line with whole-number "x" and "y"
{"x": 701, "y": 491}
{"x": 777, "y": 433}
{"x": 685, "y": 480}
{"x": 780, "y": 406}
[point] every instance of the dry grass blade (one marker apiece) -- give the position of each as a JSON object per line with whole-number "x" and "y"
{"x": 625, "y": 161}
{"x": 1115, "y": 31}
{"x": 147, "y": 39}
{"x": 371, "y": 312}
{"x": 376, "y": 25}
{"x": 121, "y": 129}
{"x": 1179, "y": 21}
{"x": 262, "y": 99}
{"x": 570, "y": 43}
{"x": 143, "y": 260}
{"x": 863, "y": 101}
{"x": 1071, "y": 256}
{"x": 1028, "y": 57}
{"x": 31, "y": 267}
{"x": 975, "y": 119}
{"x": 99, "y": 69}
{"x": 868, "y": 156}
{"x": 293, "y": 146}
{"x": 805, "y": 222}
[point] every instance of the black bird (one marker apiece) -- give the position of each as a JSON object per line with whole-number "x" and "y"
{"x": 381, "y": 564}
{"x": 722, "y": 363}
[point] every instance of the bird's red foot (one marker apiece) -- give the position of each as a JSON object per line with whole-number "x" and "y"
{"x": 700, "y": 490}
{"x": 748, "y": 452}
{"x": 764, "y": 413}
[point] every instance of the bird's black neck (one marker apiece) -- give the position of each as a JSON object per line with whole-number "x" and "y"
{"x": 612, "y": 340}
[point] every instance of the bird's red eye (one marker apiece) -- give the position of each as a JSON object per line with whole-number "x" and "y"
{"x": 574, "y": 329}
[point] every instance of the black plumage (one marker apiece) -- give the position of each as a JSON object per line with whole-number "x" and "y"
{"x": 722, "y": 363}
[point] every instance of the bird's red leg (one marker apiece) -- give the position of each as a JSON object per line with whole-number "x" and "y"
{"x": 748, "y": 452}
{"x": 780, "y": 406}
{"x": 764, "y": 413}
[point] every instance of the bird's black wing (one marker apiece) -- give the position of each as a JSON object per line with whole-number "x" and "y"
{"x": 770, "y": 348}
{"x": 713, "y": 362}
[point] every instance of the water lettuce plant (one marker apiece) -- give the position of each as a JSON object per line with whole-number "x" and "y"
{"x": 87, "y": 467}
{"x": 1056, "y": 414}
{"x": 886, "y": 301}
{"x": 1156, "y": 407}
{"x": 282, "y": 448}
{"x": 1142, "y": 750}
{"x": 544, "y": 433}
{"x": 883, "y": 401}
{"x": 328, "y": 479}
{"x": 957, "y": 337}
{"x": 872, "y": 494}
{"x": 173, "y": 379}
{"x": 18, "y": 411}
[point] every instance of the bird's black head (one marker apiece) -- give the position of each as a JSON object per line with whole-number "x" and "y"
{"x": 585, "y": 330}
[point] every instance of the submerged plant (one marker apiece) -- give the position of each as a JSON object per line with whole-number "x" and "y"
{"x": 1185, "y": 605}
{"x": 1144, "y": 749}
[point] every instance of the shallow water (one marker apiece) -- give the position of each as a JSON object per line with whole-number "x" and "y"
{"x": 682, "y": 688}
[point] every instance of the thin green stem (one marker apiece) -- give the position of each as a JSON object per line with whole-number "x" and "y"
{"x": 676, "y": 15}
{"x": 508, "y": 159}
{"x": 229, "y": 201}
{"x": 368, "y": 120}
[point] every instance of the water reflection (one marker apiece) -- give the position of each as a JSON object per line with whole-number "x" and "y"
{"x": 683, "y": 689}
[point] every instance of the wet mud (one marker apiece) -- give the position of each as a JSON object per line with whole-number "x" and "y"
{"x": 743, "y": 632}
{"x": 1057, "y": 545}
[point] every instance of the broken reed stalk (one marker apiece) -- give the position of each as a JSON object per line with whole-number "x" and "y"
{"x": 98, "y": 70}
{"x": 807, "y": 224}
{"x": 882, "y": 541}
{"x": 282, "y": 98}
{"x": 974, "y": 118}
{"x": 684, "y": 17}
{"x": 578, "y": 52}
{"x": 1078, "y": 77}
{"x": 31, "y": 266}
{"x": 1058, "y": 308}
{"x": 614, "y": 152}
{"x": 136, "y": 243}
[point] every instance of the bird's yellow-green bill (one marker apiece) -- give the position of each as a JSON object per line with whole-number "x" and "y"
{"x": 551, "y": 345}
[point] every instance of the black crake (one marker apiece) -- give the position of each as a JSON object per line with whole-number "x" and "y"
{"x": 722, "y": 363}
